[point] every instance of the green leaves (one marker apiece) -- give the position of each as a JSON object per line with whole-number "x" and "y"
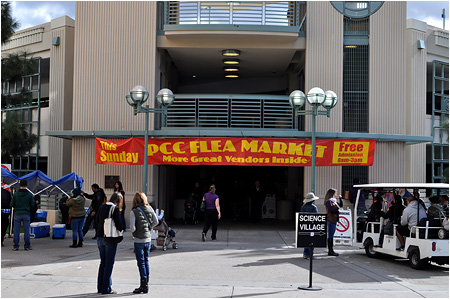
{"x": 16, "y": 140}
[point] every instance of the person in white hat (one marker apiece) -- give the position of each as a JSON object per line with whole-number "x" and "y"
{"x": 309, "y": 207}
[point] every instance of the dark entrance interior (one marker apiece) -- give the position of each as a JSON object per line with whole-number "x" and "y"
{"x": 283, "y": 182}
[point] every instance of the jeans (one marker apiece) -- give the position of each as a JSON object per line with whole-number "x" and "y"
{"x": 77, "y": 228}
{"x": 142, "y": 251}
{"x": 25, "y": 220}
{"x": 107, "y": 256}
{"x": 331, "y": 229}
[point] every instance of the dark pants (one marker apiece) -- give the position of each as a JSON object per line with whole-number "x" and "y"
{"x": 211, "y": 217}
{"x": 107, "y": 257}
{"x": 142, "y": 251}
{"x": 5, "y": 224}
{"x": 89, "y": 220}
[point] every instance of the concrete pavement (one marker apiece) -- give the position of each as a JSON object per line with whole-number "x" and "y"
{"x": 249, "y": 260}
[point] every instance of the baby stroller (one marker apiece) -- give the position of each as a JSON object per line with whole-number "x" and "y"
{"x": 165, "y": 235}
{"x": 190, "y": 211}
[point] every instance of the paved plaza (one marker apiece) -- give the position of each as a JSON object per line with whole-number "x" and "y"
{"x": 249, "y": 260}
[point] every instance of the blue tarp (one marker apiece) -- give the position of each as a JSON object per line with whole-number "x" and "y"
{"x": 40, "y": 183}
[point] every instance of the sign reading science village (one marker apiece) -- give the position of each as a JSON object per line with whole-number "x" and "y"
{"x": 235, "y": 151}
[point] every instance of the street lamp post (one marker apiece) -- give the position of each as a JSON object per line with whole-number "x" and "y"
{"x": 138, "y": 96}
{"x": 316, "y": 97}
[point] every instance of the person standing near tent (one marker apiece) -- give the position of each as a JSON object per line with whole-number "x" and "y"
{"x": 76, "y": 217}
{"x": 22, "y": 202}
{"x": 6, "y": 212}
{"x": 98, "y": 198}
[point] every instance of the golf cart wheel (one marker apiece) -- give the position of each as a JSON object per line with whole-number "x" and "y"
{"x": 369, "y": 249}
{"x": 415, "y": 261}
{"x": 174, "y": 245}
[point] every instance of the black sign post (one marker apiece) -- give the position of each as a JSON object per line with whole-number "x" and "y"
{"x": 311, "y": 231}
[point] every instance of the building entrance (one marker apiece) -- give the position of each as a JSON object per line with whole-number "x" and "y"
{"x": 235, "y": 187}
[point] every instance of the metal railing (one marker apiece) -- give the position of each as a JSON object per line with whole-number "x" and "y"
{"x": 287, "y": 14}
{"x": 231, "y": 111}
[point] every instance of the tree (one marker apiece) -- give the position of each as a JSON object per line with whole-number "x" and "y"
{"x": 9, "y": 25}
{"x": 16, "y": 139}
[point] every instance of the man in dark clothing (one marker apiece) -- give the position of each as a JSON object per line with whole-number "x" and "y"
{"x": 6, "y": 212}
{"x": 98, "y": 198}
{"x": 257, "y": 200}
{"x": 22, "y": 202}
{"x": 37, "y": 203}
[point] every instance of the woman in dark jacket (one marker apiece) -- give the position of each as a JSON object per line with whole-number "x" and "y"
{"x": 122, "y": 206}
{"x": 107, "y": 246}
{"x": 142, "y": 220}
{"x": 332, "y": 206}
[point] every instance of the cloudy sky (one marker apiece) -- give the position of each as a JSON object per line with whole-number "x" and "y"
{"x": 32, "y": 13}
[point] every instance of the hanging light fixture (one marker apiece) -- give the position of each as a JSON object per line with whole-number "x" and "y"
{"x": 232, "y": 75}
{"x": 231, "y": 53}
{"x": 231, "y": 61}
{"x": 231, "y": 68}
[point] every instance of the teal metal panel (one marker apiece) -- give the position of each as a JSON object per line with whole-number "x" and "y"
{"x": 267, "y": 133}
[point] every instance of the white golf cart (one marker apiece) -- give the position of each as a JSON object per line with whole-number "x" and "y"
{"x": 424, "y": 244}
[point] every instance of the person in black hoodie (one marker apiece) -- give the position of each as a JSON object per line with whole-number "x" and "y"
{"x": 107, "y": 246}
{"x": 98, "y": 198}
{"x": 6, "y": 212}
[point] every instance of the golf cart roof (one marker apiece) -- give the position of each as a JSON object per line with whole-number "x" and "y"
{"x": 403, "y": 185}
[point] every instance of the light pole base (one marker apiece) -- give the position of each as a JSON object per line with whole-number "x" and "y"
{"x": 310, "y": 288}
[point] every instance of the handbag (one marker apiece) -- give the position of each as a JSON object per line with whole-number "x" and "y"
{"x": 109, "y": 226}
{"x": 388, "y": 228}
{"x": 203, "y": 206}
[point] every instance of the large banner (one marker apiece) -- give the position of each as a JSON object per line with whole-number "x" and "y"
{"x": 235, "y": 151}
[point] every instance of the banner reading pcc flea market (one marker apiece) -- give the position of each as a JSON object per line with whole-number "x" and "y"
{"x": 235, "y": 151}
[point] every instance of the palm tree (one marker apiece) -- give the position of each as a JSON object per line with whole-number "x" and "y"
{"x": 9, "y": 25}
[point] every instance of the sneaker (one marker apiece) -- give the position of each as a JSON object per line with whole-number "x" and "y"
{"x": 215, "y": 239}
{"x": 203, "y": 237}
{"x": 306, "y": 257}
{"x": 112, "y": 292}
{"x": 15, "y": 249}
{"x": 401, "y": 248}
{"x": 29, "y": 248}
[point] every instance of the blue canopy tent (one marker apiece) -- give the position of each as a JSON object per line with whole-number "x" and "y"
{"x": 40, "y": 183}
{"x": 8, "y": 178}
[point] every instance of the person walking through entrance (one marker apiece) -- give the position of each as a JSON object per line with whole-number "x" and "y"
{"x": 257, "y": 200}
{"x": 332, "y": 206}
{"x": 98, "y": 198}
{"x": 22, "y": 202}
{"x": 212, "y": 212}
